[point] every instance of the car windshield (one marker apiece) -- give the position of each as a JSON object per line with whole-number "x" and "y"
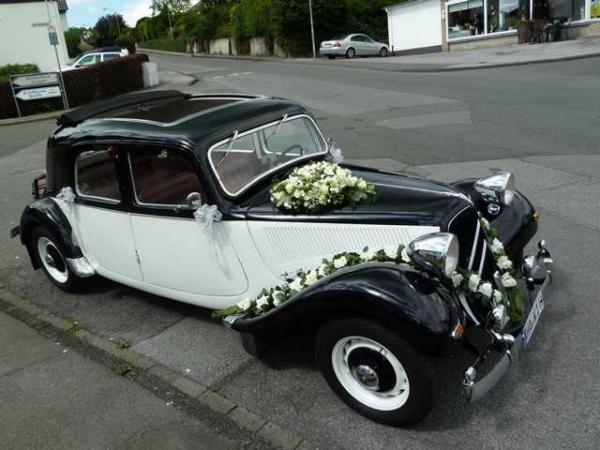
{"x": 246, "y": 157}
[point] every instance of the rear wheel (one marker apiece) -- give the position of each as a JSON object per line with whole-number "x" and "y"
{"x": 383, "y": 52}
{"x": 350, "y": 53}
{"x": 375, "y": 371}
{"x": 50, "y": 256}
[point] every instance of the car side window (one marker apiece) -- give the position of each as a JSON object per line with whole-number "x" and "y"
{"x": 88, "y": 60}
{"x": 96, "y": 175}
{"x": 356, "y": 39}
{"x": 162, "y": 177}
{"x": 110, "y": 56}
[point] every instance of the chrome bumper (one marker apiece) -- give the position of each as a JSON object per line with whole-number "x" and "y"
{"x": 538, "y": 272}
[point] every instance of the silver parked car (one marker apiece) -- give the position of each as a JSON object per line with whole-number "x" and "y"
{"x": 351, "y": 45}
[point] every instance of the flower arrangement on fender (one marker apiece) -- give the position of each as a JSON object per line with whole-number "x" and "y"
{"x": 467, "y": 282}
{"x": 320, "y": 185}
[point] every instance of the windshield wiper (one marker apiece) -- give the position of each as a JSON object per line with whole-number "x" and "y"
{"x": 235, "y": 135}
{"x": 283, "y": 119}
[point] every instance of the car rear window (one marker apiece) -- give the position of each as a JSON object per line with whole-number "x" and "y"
{"x": 96, "y": 175}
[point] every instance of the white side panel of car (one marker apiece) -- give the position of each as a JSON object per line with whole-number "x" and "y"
{"x": 289, "y": 247}
{"x": 185, "y": 255}
{"x": 107, "y": 241}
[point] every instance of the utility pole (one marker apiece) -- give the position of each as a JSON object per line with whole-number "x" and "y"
{"x": 312, "y": 29}
{"x": 55, "y": 45}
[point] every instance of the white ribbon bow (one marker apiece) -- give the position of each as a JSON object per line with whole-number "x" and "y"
{"x": 336, "y": 154}
{"x": 208, "y": 214}
{"x": 66, "y": 194}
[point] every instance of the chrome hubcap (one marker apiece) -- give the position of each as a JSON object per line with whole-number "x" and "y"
{"x": 52, "y": 260}
{"x": 370, "y": 373}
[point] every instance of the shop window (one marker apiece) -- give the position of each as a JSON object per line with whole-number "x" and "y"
{"x": 595, "y": 9}
{"x": 504, "y": 15}
{"x": 465, "y": 19}
{"x": 561, "y": 10}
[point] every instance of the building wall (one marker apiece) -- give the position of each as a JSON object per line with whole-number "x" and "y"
{"x": 415, "y": 25}
{"x": 24, "y": 35}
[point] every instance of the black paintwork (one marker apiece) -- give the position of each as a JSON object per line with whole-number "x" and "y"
{"x": 404, "y": 301}
{"x": 46, "y": 213}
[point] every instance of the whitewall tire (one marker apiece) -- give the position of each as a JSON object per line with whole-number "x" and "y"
{"x": 375, "y": 371}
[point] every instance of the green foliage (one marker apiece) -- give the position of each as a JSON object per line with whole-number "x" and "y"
{"x": 125, "y": 368}
{"x": 122, "y": 343}
{"x": 127, "y": 41}
{"x": 166, "y": 44}
{"x": 251, "y": 18}
{"x": 16, "y": 69}
{"x": 73, "y": 37}
{"x": 110, "y": 26}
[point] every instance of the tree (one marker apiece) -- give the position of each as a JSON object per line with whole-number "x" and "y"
{"x": 110, "y": 26}
{"x": 73, "y": 39}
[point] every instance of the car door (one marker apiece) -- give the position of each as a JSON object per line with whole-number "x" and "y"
{"x": 357, "y": 44}
{"x": 102, "y": 223}
{"x": 370, "y": 46}
{"x": 88, "y": 60}
{"x": 180, "y": 256}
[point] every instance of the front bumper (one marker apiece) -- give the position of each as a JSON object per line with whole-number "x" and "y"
{"x": 538, "y": 275}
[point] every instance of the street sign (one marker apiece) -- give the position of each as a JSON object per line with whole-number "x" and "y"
{"x": 52, "y": 35}
{"x": 39, "y": 93}
{"x": 36, "y": 79}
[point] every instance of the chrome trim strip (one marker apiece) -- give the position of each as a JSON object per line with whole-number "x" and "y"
{"x": 81, "y": 267}
{"x": 474, "y": 247}
{"x": 483, "y": 254}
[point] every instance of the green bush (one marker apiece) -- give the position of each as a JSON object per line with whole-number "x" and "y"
{"x": 127, "y": 41}
{"x": 166, "y": 44}
{"x": 73, "y": 39}
{"x": 16, "y": 69}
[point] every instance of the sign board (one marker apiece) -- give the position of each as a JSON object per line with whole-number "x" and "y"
{"x": 38, "y": 93}
{"x": 52, "y": 35}
{"x": 37, "y": 79}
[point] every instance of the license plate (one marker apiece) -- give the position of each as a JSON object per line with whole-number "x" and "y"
{"x": 532, "y": 319}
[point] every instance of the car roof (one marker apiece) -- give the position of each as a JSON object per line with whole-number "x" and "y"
{"x": 172, "y": 116}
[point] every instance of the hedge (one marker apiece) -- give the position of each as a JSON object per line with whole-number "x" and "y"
{"x": 166, "y": 44}
{"x": 84, "y": 85}
{"x": 15, "y": 69}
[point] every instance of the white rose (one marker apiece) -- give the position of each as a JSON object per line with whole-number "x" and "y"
{"x": 497, "y": 297}
{"x": 340, "y": 262}
{"x": 296, "y": 285}
{"x": 508, "y": 281}
{"x": 504, "y": 263}
{"x": 278, "y": 297}
{"x": 405, "y": 256}
{"x": 322, "y": 271}
{"x": 457, "y": 279}
{"x": 474, "y": 281}
{"x": 368, "y": 255}
{"x": 245, "y": 304}
{"x": 311, "y": 278}
{"x": 486, "y": 290}
{"x": 262, "y": 302}
{"x": 485, "y": 223}
{"x": 391, "y": 252}
{"x": 497, "y": 246}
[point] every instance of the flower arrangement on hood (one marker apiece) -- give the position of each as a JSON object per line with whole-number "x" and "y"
{"x": 467, "y": 282}
{"x": 320, "y": 185}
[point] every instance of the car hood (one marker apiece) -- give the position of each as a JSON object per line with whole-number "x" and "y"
{"x": 402, "y": 199}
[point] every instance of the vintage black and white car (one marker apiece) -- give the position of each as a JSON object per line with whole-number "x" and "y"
{"x": 240, "y": 204}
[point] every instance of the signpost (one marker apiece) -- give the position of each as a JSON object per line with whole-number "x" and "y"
{"x": 36, "y": 86}
{"x": 39, "y": 93}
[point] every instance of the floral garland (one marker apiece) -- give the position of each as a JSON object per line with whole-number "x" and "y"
{"x": 469, "y": 283}
{"x": 320, "y": 185}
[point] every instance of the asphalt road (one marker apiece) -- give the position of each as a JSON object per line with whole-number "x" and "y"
{"x": 541, "y": 122}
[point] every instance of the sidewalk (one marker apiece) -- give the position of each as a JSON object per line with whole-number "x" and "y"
{"x": 511, "y": 55}
{"x": 54, "y": 398}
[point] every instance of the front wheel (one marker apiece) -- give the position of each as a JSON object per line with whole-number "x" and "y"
{"x": 383, "y": 52}
{"x": 375, "y": 371}
{"x": 50, "y": 256}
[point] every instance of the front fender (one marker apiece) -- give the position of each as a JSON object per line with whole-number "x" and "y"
{"x": 46, "y": 213}
{"x": 399, "y": 299}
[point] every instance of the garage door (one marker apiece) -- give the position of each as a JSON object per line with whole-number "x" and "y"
{"x": 415, "y": 25}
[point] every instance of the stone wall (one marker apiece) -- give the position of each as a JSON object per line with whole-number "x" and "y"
{"x": 259, "y": 47}
{"x": 484, "y": 42}
{"x": 219, "y": 46}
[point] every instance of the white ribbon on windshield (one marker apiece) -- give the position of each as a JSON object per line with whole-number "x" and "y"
{"x": 336, "y": 154}
{"x": 208, "y": 214}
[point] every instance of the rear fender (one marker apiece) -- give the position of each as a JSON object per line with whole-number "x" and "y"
{"x": 401, "y": 300}
{"x": 46, "y": 213}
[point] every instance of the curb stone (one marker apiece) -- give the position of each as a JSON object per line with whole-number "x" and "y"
{"x": 32, "y": 118}
{"x": 193, "y": 398}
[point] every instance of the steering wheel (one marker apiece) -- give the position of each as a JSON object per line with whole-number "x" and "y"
{"x": 289, "y": 149}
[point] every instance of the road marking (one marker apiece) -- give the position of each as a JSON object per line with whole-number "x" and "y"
{"x": 427, "y": 120}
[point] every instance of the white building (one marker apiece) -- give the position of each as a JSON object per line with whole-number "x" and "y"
{"x": 24, "y": 32}
{"x": 436, "y": 25}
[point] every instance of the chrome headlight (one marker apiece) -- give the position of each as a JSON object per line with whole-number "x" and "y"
{"x": 497, "y": 188}
{"x": 436, "y": 251}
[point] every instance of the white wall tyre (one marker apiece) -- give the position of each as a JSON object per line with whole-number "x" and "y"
{"x": 375, "y": 371}
{"x": 51, "y": 258}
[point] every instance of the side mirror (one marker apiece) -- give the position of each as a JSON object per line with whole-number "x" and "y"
{"x": 194, "y": 200}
